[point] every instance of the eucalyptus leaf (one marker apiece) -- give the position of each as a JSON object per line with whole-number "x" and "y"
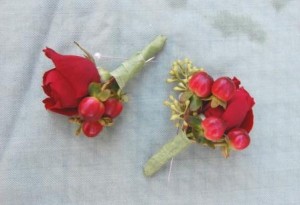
{"x": 196, "y": 133}
{"x": 194, "y": 121}
{"x": 185, "y": 96}
{"x": 196, "y": 103}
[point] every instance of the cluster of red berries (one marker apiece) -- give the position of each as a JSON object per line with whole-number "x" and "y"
{"x": 91, "y": 110}
{"x": 220, "y": 90}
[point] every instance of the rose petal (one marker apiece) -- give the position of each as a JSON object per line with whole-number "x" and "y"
{"x": 47, "y": 89}
{"x": 247, "y": 124}
{"x": 237, "y": 108}
{"x": 78, "y": 71}
{"x": 236, "y": 81}
{"x": 50, "y": 105}
{"x": 56, "y": 86}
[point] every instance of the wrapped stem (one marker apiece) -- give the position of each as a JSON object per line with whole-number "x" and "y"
{"x": 169, "y": 150}
{"x": 133, "y": 65}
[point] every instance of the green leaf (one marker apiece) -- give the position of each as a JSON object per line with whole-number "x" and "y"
{"x": 223, "y": 104}
{"x": 94, "y": 89}
{"x": 124, "y": 98}
{"x": 185, "y": 96}
{"x": 203, "y": 140}
{"x": 215, "y": 102}
{"x": 196, "y": 103}
{"x": 194, "y": 121}
{"x": 106, "y": 121}
{"x": 103, "y": 95}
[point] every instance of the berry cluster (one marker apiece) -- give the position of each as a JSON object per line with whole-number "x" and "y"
{"x": 215, "y": 113}
{"x": 104, "y": 103}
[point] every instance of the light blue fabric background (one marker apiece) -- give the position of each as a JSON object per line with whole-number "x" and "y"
{"x": 43, "y": 163}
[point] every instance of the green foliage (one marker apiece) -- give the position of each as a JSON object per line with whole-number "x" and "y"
{"x": 196, "y": 103}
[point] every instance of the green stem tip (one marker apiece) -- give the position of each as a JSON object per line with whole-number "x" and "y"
{"x": 133, "y": 65}
{"x": 169, "y": 150}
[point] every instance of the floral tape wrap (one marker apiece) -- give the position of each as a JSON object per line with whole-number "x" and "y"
{"x": 169, "y": 150}
{"x": 132, "y": 66}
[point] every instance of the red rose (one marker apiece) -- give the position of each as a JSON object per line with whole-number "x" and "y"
{"x": 68, "y": 82}
{"x": 238, "y": 112}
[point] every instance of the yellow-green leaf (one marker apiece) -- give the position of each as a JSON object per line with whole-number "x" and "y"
{"x": 103, "y": 95}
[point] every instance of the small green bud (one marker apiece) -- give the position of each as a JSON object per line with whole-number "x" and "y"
{"x": 176, "y": 103}
{"x": 171, "y": 97}
{"x": 170, "y": 80}
{"x": 174, "y": 117}
{"x": 178, "y": 88}
{"x": 187, "y": 102}
{"x": 173, "y": 107}
{"x": 181, "y": 85}
{"x": 167, "y": 103}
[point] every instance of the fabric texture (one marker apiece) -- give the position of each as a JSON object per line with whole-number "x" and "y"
{"x": 42, "y": 162}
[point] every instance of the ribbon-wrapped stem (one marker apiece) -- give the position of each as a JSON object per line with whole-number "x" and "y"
{"x": 133, "y": 65}
{"x": 169, "y": 150}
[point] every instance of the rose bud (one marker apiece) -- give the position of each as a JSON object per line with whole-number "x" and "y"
{"x": 68, "y": 82}
{"x": 223, "y": 88}
{"x": 238, "y": 138}
{"x": 91, "y": 109}
{"x": 91, "y": 129}
{"x": 238, "y": 112}
{"x": 113, "y": 107}
{"x": 200, "y": 84}
{"x": 213, "y": 128}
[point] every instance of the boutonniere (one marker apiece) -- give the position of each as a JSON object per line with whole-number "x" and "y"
{"x": 214, "y": 113}
{"x": 92, "y": 97}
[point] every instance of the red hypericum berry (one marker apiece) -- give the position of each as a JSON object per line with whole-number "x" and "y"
{"x": 201, "y": 84}
{"x": 113, "y": 107}
{"x": 238, "y": 138}
{"x": 223, "y": 88}
{"x": 213, "y": 128}
{"x": 91, "y": 109}
{"x": 91, "y": 129}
